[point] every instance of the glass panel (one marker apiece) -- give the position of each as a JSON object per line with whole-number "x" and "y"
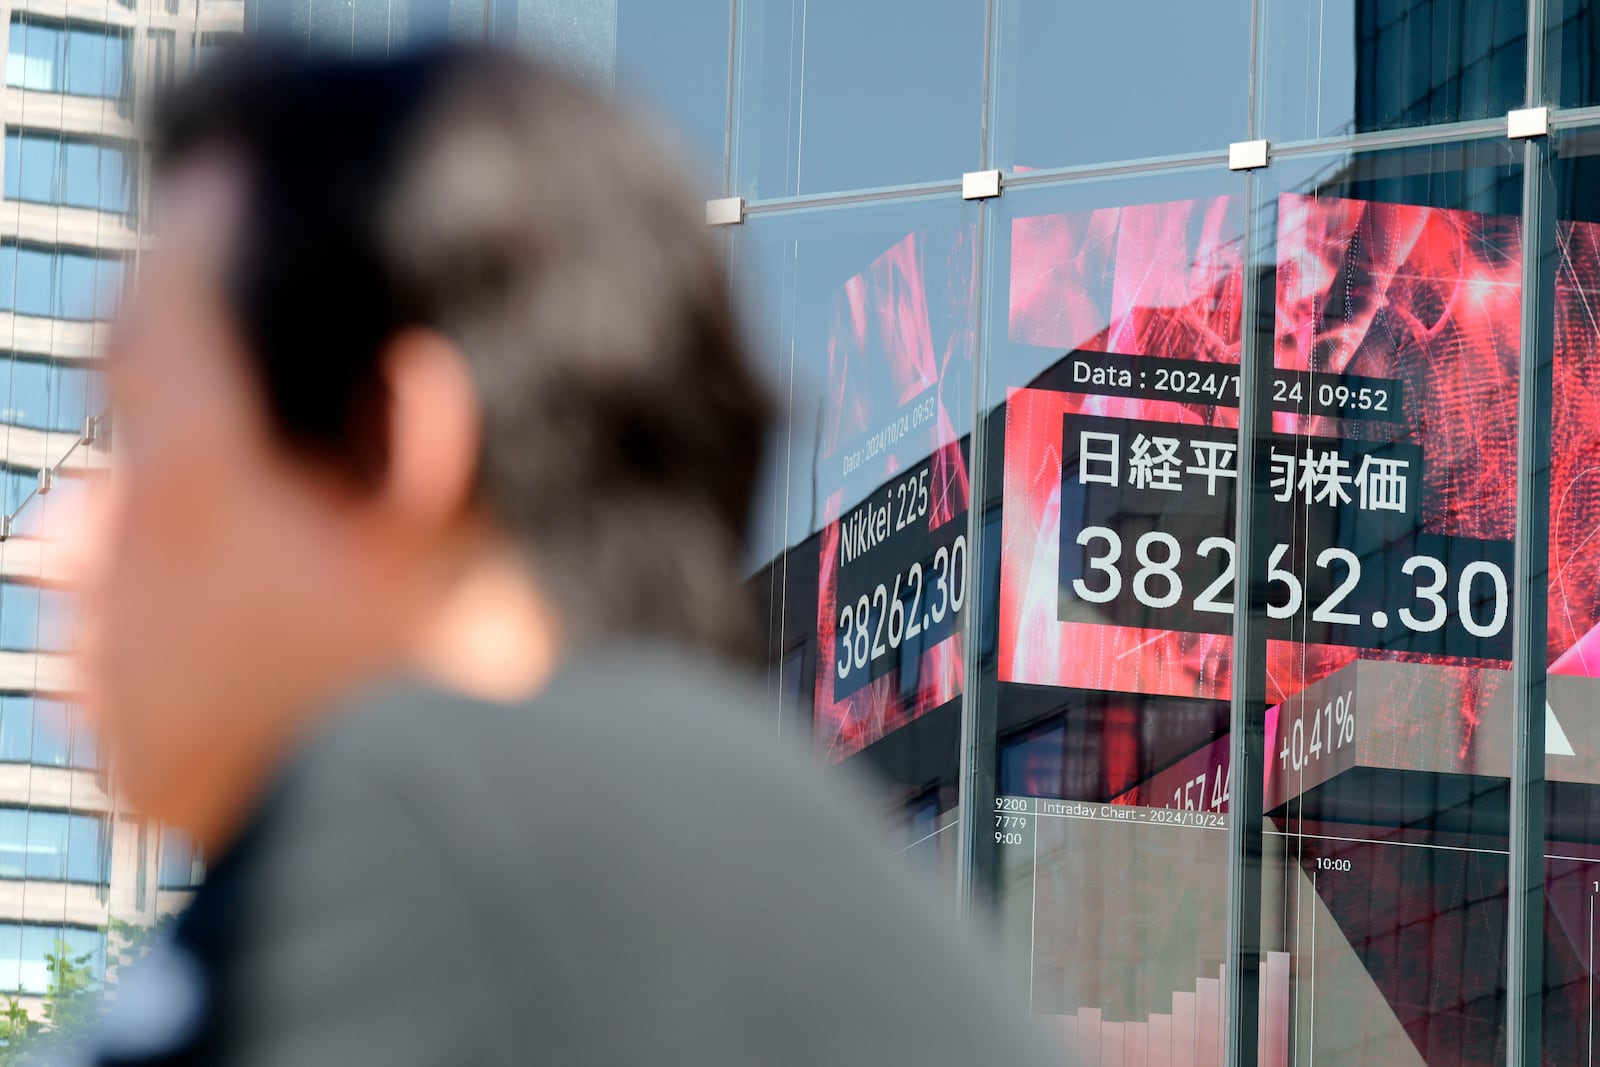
{"x": 16, "y": 729}
{"x": 115, "y": 190}
{"x": 81, "y": 948}
{"x": 70, "y": 404}
{"x": 35, "y": 57}
{"x": 13, "y": 842}
{"x": 80, "y": 186}
{"x": 1093, "y": 82}
{"x": 8, "y": 276}
{"x": 87, "y": 858}
{"x": 30, "y": 393}
{"x": 47, "y": 845}
{"x": 57, "y": 618}
{"x": 1347, "y": 66}
{"x": 377, "y": 26}
{"x": 332, "y": 24}
{"x": 107, "y": 287}
{"x": 15, "y": 485}
{"x": 35, "y": 277}
{"x": 1385, "y": 498}
{"x": 19, "y": 616}
{"x": 578, "y": 35}
{"x": 1112, "y": 345}
{"x": 37, "y": 942}
{"x": 1572, "y": 53}
{"x": 50, "y": 733}
{"x": 180, "y": 861}
{"x": 835, "y": 94}
{"x": 29, "y": 382}
{"x": 212, "y": 45}
{"x": 10, "y": 956}
{"x": 860, "y": 545}
{"x": 17, "y": 53}
{"x": 162, "y": 53}
{"x": 13, "y": 178}
{"x": 87, "y": 62}
{"x": 38, "y": 168}
{"x": 1572, "y": 729}
{"x": 674, "y": 57}
{"x": 75, "y": 285}
{"x": 85, "y": 743}
{"x": 114, "y": 77}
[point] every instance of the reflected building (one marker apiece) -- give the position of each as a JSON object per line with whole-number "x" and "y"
{"x": 1098, "y": 694}
{"x": 79, "y": 874}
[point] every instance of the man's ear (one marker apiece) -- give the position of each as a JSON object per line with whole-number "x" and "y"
{"x": 435, "y": 428}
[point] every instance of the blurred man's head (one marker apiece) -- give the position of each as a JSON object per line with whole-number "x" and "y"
{"x": 433, "y": 368}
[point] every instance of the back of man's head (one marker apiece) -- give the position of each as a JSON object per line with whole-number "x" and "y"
{"x": 487, "y": 197}
{"x": 398, "y": 307}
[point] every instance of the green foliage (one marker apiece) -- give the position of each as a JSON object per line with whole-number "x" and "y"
{"x": 74, "y": 998}
{"x": 18, "y": 1033}
{"x": 128, "y": 942}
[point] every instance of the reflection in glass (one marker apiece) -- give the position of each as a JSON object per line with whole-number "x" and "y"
{"x": 835, "y": 94}
{"x": 1386, "y": 505}
{"x": 46, "y": 733}
{"x": 1572, "y": 730}
{"x": 55, "y": 282}
{"x": 860, "y": 556}
{"x": 46, "y": 394}
{"x": 53, "y": 846}
{"x": 33, "y": 618}
{"x": 674, "y": 57}
{"x": 1092, "y": 83}
{"x": 182, "y": 866}
{"x": 1111, "y": 357}
{"x": 82, "y": 59}
{"x": 1349, "y": 66}
{"x": 1572, "y": 53}
{"x": 24, "y": 947}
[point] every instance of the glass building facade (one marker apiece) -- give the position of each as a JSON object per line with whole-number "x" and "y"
{"x": 1188, "y": 496}
{"x": 1203, "y": 553}
{"x": 81, "y": 877}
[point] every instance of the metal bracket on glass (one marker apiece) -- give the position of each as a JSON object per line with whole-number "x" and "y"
{"x": 47, "y": 480}
{"x": 980, "y": 185}
{"x": 1527, "y": 122}
{"x": 1247, "y": 155}
{"x": 728, "y": 211}
{"x": 91, "y": 431}
{"x": 5, "y": 527}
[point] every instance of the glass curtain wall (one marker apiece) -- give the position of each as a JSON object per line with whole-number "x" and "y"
{"x": 78, "y": 877}
{"x": 1204, "y": 679}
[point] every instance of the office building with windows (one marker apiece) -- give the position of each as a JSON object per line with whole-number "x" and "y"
{"x": 79, "y": 875}
{"x": 1187, "y": 500}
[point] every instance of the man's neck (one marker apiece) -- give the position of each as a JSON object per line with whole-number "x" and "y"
{"x": 490, "y": 634}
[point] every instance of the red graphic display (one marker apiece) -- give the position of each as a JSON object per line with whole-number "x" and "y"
{"x": 1394, "y": 356}
{"x": 1424, "y": 297}
{"x": 1104, "y": 281}
{"x": 893, "y": 383}
{"x": 1575, "y": 465}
